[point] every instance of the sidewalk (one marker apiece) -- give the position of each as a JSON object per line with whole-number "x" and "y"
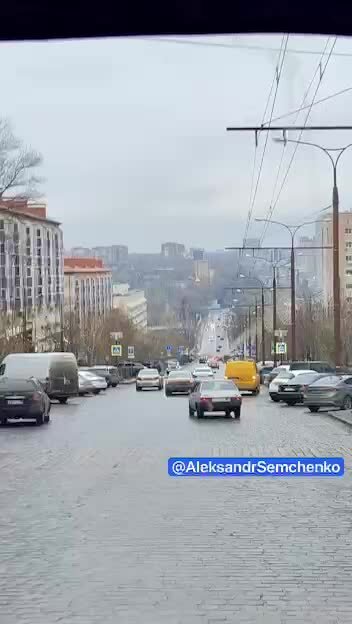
{"x": 344, "y": 416}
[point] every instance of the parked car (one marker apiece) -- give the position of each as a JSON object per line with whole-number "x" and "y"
{"x": 110, "y": 373}
{"x": 23, "y": 399}
{"x": 134, "y": 367}
{"x": 178, "y": 381}
{"x": 57, "y": 372}
{"x": 275, "y": 371}
{"x": 202, "y": 372}
{"x": 331, "y": 391}
{"x": 98, "y": 383}
{"x": 215, "y": 396}
{"x": 282, "y": 377}
{"x": 318, "y": 366}
{"x": 264, "y": 371}
{"x": 149, "y": 378}
{"x": 85, "y": 386}
{"x": 291, "y": 391}
{"x": 244, "y": 374}
{"x": 202, "y": 359}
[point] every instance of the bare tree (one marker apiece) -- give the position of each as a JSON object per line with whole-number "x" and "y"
{"x": 17, "y": 164}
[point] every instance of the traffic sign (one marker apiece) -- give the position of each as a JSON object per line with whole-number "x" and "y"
{"x": 130, "y": 352}
{"x": 169, "y": 348}
{"x": 281, "y": 333}
{"x": 116, "y": 350}
{"x": 281, "y": 348}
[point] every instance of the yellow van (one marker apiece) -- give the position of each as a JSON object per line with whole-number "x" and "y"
{"x": 245, "y": 375}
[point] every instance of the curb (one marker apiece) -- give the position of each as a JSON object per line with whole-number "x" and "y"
{"x": 342, "y": 416}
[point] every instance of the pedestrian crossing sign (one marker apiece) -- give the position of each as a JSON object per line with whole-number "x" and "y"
{"x": 116, "y": 350}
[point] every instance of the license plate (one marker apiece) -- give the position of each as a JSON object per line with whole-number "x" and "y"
{"x": 14, "y": 402}
{"x": 221, "y": 400}
{"x": 289, "y": 389}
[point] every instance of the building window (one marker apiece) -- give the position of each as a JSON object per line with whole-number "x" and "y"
{"x": 348, "y": 285}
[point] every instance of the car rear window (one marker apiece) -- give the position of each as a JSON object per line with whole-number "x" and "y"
{"x": 300, "y": 365}
{"x": 332, "y": 380}
{"x": 210, "y": 386}
{"x": 179, "y": 375}
{"x": 17, "y": 385}
{"x": 305, "y": 378}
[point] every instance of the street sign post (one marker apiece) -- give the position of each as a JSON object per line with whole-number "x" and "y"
{"x": 116, "y": 350}
{"x": 130, "y": 352}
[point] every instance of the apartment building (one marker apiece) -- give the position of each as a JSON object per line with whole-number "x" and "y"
{"x": 88, "y": 287}
{"x": 31, "y": 271}
{"x": 324, "y": 237}
{"x": 171, "y": 250}
{"x": 132, "y": 302}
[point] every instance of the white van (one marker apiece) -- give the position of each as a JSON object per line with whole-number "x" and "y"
{"x": 58, "y": 372}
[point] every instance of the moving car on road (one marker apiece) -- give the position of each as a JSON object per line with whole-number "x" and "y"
{"x": 202, "y": 359}
{"x": 202, "y": 372}
{"x": 57, "y": 372}
{"x": 213, "y": 363}
{"x": 244, "y": 374}
{"x": 331, "y": 391}
{"x": 98, "y": 383}
{"x": 149, "y": 378}
{"x": 172, "y": 365}
{"x": 215, "y": 396}
{"x": 23, "y": 399}
{"x": 269, "y": 377}
{"x": 291, "y": 391}
{"x": 178, "y": 381}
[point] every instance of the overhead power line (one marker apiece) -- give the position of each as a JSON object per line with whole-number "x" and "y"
{"x": 236, "y": 46}
{"x": 322, "y": 73}
{"x": 278, "y": 70}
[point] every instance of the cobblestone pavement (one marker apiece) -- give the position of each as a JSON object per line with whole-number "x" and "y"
{"x": 93, "y": 530}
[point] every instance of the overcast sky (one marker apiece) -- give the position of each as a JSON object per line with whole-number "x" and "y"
{"x": 133, "y": 134}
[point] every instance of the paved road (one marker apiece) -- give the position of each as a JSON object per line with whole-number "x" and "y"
{"x": 93, "y": 530}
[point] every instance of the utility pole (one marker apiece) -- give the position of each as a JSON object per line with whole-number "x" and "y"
{"x": 274, "y": 315}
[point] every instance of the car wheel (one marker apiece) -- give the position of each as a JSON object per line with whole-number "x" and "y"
{"x": 167, "y": 393}
{"x": 138, "y": 389}
{"x": 114, "y": 385}
{"x": 4, "y": 421}
{"x": 290, "y": 402}
{"x": 47, "y": 417}
{"x": 97, "y": 391}
{"x": 63, "y": 400}
{"x": 190, "y": 411}
{"x": 228, "y": 414}
{"x": 313, "y": 408}
{"x": 200, "y": 412}
{"x": 275, "y": 399}
{"x": 347, "y": 403}
{"x": 237, "y": 411}
{"x": 40, "y": 420}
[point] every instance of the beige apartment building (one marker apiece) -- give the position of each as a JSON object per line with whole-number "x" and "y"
{"x": 324, "y": 236}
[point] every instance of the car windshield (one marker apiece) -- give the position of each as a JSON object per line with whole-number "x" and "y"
{"x": 148, "y": 373}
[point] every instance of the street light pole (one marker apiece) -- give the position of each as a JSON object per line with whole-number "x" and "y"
{"x": 292, "y": 229}
{"x": 274, "y": 313}
{"x": 335, "y": 233}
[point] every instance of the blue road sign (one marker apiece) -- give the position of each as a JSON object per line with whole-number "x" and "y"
{"x": 169, "y": 348}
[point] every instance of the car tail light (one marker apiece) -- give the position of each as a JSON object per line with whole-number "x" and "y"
{"x": 36, "y": 396}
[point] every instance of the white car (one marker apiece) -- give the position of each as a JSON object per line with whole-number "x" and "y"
{"x": 99, "y": 383}
{"x": 149, "y": 378}
{"x": 203, "y": 372}
{"x": 283, "y": 375}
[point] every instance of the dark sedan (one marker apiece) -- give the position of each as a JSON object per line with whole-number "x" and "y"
{"x": 332, "y": 391}
{"x": 178, "y": 381}
{"x": 23, "y": 399}
{"x": 215, "y": 396}
{"x": 291, "y": 391}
